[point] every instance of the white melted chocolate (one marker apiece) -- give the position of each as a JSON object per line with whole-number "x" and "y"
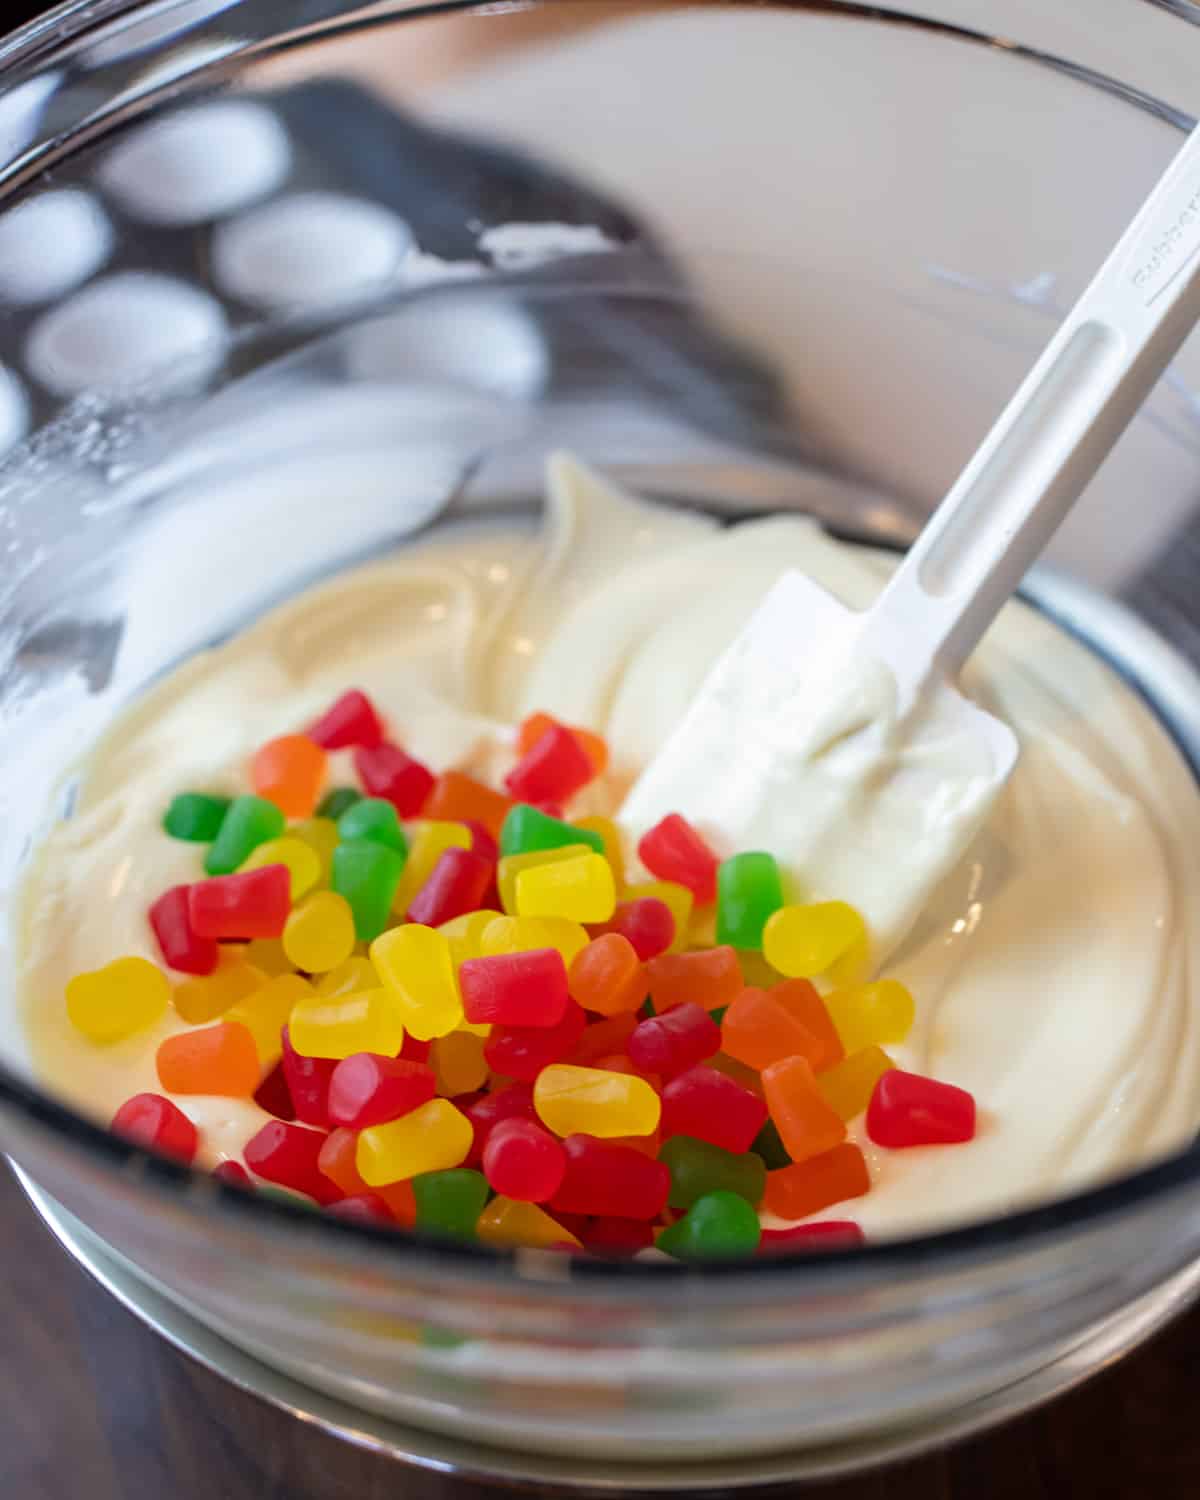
{"x": 1054, "y": 971}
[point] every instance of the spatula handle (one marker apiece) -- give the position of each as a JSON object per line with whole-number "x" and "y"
{"x": 1057, "y": 430}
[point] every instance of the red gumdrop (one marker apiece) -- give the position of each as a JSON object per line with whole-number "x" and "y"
{"x": 308, "y": 1083}
{"x": 482, "y": 841}
{"x": 489, "y": 1110}
{"x": 179, "y": 945}
{"x": 675, "y": 1041}
{"x": 576, "y": 1224}
{"x": 415, "y": 1051}
{"x": 647, "y": 924}
{"x": 367, "y": 1089}
{"x": 456, "y": 885}
{"x": 523, "y": 1051}
{"x": 611, "y": 1180}
{"x": 154, "y": 1122}
{"x": 363, "y": 1208}
{"x": 386, "y": 771}
{"x": 673, "y": 850}
{"x": 711, "y": 1107}
{"x": 515, "y": 989}
{"x": 553, "y": 769}
{"x": 352, "y": 720}
{"x": 617, "y": 1237}
{"x": 254, "y": 904}
{"x": 274, "y": 1096}
{"x": 523, "y": 1161}
{"x": 826, "y": 1234}
{"x": 233, "y": 1174}
{"x": 618, "y": 1062}
{"x": 908, "y": 1109}
{"x": 611, "y": 1034}
{"x": 287, "y": 1155}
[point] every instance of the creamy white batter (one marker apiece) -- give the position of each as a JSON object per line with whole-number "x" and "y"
{"x": 1054, "y": 972}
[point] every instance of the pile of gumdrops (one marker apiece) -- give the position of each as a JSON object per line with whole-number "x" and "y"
{"x": 459, "y": 1012}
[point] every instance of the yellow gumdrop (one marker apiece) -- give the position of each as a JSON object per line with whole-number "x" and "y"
{"x": 512, "y": 1226}
{"x": 854, "y": 966}
{"x": 678, "y": 898}
{"x": 124, "y": 996}
{"x": 429, "y": 843}
{"x": 702, "y": 928}
{"x": 208, "y": 996}
{"x": 351, "y": 978}
{"x": 525, "y": 934}
{"x": 267, "y": 954}
{"x": 514, "y": 865}
{"x": 592, "y": 1101}
{"x": 580, "y": 889}
{"x": 804, "y": 941}
{"x": 847, "y": 1086}
{"x": 870, "y": 1014}
{"x": 319, "y": 934}
{"x": 321, "y": 836}
{"x": 301, "y": 860}
{"x": 465, "y": 935}
{"x": 367, "y": 1021}
{"x": 458, "y": 1062}
{"x": 614, "y": 849}
{"x": 265, "y": 1013}
{"x": 415, "y": 965}
{"x": 433, "y": 1138}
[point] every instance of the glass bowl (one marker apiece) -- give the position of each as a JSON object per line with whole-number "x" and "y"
{"x": 286, "y": 285}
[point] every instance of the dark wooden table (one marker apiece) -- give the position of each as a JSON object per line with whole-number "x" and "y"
{"x": 95, "y": 1407}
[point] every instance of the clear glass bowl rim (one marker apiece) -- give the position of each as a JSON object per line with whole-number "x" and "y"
{"x": 55, "y": 34}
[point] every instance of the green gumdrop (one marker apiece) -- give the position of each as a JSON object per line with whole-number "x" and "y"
{"x": 698, "y": 1168}
{"x": 749, "y": 890}
{"x": 334, "y": 803}
{"x": 367, "y": 875}
{"x": 768, "y": 1145}
{"x": 249, "y": 821}
{"x": 450, "y": 1202}
{"x": 719, "y": 1226}
{"x": 195, "y": 816}
{"x": 375, "y": 820}
{"x": 526, "y": 829}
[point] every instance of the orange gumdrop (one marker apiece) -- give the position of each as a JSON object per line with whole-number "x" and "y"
{"x": 712, "y": 977}
{"x": 458, "y": 798}
{"x": 807, "y": 1125}
{"x": 221, "y": 1059}
{"x": 757, "y": 1031}
{"x": 607, "y": 976}
{"x": 594, "y": 746}
{"x": 290, "y": 772}
{"x": 603, "y": 1037}
{"x": 816, "y": 1184}
{"x": 800, "y": 999}
{"x": 336, "y": 1161}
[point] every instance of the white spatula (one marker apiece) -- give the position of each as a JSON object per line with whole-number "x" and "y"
{"x": 836, "y": 740}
